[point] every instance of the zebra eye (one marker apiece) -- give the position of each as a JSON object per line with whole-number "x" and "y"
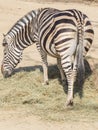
{"x": 4, "y": 52}
{"x": 4, "y": 44}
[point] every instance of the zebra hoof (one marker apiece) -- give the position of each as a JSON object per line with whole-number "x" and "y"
{"x": 69, "y": 103}
{"x": 45, "y": 83}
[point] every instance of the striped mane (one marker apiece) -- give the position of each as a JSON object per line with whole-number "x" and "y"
{"x": 21, "y": 30}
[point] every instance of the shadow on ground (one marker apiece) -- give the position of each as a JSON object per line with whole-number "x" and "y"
{"x": 79, "y": 86}
{"x": 55, "y": 74}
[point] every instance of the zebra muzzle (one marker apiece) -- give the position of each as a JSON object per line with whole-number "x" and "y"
{"x": 6, "y": 74}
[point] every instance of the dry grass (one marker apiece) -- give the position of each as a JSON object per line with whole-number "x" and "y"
{"x": 24, "y": 91}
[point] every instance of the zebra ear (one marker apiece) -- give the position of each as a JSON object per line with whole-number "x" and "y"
{"x": 4, "y": 35}
{"x": 4, "y": 41}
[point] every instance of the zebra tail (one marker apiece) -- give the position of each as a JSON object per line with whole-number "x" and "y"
{"x": 80, "y": 58}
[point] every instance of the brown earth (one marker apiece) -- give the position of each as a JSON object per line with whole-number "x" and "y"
{"x": 10, "y": 12}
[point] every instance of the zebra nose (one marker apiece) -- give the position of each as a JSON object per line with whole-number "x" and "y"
{"x": 4, "y": 72}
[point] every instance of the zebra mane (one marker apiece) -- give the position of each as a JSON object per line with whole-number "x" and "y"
{"x": 30, "y": 16}
{"x": 32, "y": 13}
{"x": 21, "y": 30}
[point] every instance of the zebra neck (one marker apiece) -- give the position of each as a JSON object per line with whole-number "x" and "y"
{"x": 24, "y": 32}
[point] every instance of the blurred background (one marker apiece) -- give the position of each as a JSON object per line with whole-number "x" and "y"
{"x": 63, "y": 1}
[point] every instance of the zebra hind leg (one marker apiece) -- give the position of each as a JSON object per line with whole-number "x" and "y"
{"x": 60, "y": 69}
{"x": 67, "y": 67}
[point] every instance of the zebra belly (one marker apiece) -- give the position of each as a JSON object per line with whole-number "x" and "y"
{"x": 49, "y": 48}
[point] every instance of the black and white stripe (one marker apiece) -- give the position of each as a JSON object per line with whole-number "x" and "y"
{"x": 66, "y": 35}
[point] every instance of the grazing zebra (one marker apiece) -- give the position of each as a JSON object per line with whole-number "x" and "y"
{"x": 66, "y": 35}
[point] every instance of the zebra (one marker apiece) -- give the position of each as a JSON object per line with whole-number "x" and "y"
{"x": 64, "y": 34}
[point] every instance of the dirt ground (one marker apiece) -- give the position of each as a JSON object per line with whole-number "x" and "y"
{"x": 10, "y": 12}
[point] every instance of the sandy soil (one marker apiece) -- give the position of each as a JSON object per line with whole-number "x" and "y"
{"x": 10, "y": 12}
{"x": 10, "y": 120}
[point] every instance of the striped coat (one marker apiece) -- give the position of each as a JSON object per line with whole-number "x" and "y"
{"x": 66, "y": 35}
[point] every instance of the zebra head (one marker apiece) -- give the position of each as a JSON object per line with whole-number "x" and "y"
{"x": 11, "y": 56}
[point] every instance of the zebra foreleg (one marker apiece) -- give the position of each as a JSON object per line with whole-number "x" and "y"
{"x": 45, "y": 70}
{"x": 44, "y": 63}
{"x": 45, "y": 67}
